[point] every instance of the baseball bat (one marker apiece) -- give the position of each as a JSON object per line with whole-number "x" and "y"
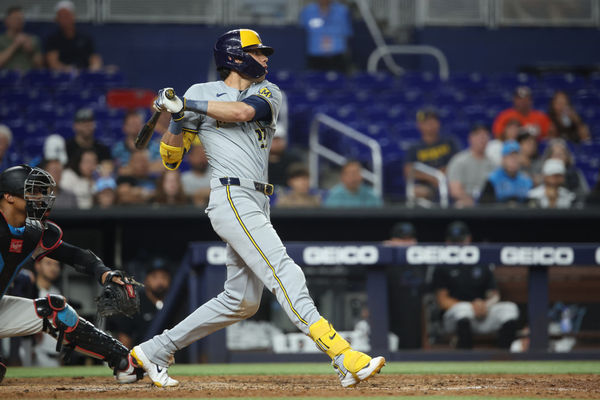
{"x": 145, "y": 134}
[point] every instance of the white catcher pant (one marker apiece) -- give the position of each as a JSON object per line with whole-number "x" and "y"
{"x": 256, "y": 257}
{"x": 18, "y": 317}
{"x": 497, "y": 315}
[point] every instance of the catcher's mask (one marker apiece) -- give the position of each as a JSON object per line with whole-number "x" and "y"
{"x": 34, "y": 185}
{"x": 233, "y": 45}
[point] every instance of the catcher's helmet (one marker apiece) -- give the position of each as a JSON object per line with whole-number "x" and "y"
{"x": 34, "y": 185}
{"x": 233, "y": 46}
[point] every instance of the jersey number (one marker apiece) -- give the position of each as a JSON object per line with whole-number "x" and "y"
{"x": 262, "y": 136}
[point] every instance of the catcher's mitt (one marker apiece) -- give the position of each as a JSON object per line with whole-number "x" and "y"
{"x": 116, "y": 298}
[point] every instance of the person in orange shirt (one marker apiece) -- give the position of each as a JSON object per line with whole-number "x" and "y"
{"x": 535, "y": 122}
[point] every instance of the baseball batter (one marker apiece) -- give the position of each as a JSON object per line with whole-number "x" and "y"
{"x": 235, "y": 119}
{"x": 26, "y": 198}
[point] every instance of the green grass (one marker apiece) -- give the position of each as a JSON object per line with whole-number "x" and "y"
{"x": 488, "y": 367}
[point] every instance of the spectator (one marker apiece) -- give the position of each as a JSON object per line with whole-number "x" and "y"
{"x": 196, "y": 181}
{"x": 169, "y": 190}
{"x": 65, "y": 198}
{"x": 574, "y": 179}
{"x": 121, "y": 151}
{"x": 566, "y": 123}
{"x": 530, "y": 159}
{"x": 84, "y": 126}
{"x": 432, "y": 150}
{"x": 469, "y": 169}
{"x": 105, "y": 192}
{"x": 47, "y": 271}
{"x": 18, "y": 50}
{"x": 534, "y": 121}
{"x": 139, "y": 186}
{"x": 130, "y": 331}
{"x": 6, "y": 138}
{"x": 68, "y": 49}
{"x": 280, "y": 159}
{"x": 402, "y": 234}
{"x": 79, "y": 177}
{"x": 494, "y": 148}
{"x": 328, "y": 27}
{"x": 551, "y": 194}
{"x": 470, "y": 300}
{"x": 299, "y": 194}
{"x": 507, "y": 184}
{"x": 352, "y": 191}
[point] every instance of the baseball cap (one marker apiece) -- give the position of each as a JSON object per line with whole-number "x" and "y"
{"x": 553, "y": 166}
{"x": 522, "y": 92}
{"x": 457, "y": 231}
{"x": 55, "y": 148}
{"x": 426, "y": 113}
{"x": 105, "y": 183}
{"x": 69, "y": 5}
{"x": 158, "y": 264}
{"x": 509, "y": 147}
{"x": 403, "y": 230}
{"x": 84, "y": 115}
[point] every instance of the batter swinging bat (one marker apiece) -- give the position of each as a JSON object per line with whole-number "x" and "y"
{"x": 143, "y": 137}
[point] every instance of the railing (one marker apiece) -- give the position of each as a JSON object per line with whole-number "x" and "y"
{"x": 317, "y": 150}
{"x": 382, "y": 51}
{"x": 411, "y": 199}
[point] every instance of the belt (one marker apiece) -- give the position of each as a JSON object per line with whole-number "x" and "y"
{"x": 265, "y": 188}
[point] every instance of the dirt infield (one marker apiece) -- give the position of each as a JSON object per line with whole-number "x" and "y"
{"x": 556, "y": 386}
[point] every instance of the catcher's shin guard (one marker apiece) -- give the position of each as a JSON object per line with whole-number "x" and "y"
{"x": 75, "y": 333}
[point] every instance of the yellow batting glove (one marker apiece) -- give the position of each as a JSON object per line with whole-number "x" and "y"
{"x": 171, "y": 156}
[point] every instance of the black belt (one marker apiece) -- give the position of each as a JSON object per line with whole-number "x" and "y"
{"x": 265, "y": 188}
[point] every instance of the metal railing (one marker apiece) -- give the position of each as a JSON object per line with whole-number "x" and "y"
{"x": 317, "y": 150}
{"x": 412, "y": 199}
{"x": 382, "y": 51}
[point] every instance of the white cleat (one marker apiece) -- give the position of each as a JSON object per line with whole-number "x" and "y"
{"x": 156, "y": 373}
{"x": 132, "y": 374}
{"x": 349, "y": 379}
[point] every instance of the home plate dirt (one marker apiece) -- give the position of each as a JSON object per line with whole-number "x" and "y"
{"x": 580, "y": 386}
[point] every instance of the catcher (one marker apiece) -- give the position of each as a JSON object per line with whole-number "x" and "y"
{"x": 26, "y": 198}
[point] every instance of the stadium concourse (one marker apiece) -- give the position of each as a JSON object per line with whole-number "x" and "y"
{"x": 41, "y": 102}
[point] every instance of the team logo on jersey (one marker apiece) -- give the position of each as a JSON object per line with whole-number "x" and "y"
{"x": 265, "y": 92}
{"x": 16, "y": 246}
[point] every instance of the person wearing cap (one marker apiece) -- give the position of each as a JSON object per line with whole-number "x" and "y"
{"x": 84, "y": 126}
{"x": 574, "y": 179}
{"x": 507, "y": 184}
{"x": 105, "y": 192}
{"x": 65, "y": 198}
{"x": 18, "y": 50}
{"x": 469, "y": 298}
{"x": 68, "y": 49}
{"x": 402, "y": 234}
{"x": 551, "y": 193}
{"x": 157, "y": 282}
{"x": 537, "y": 122}
{"x": 433, "y": 150}
{"x": 352, "y": 191}
{"x": 469, "y": 169}
{"x": 299, "y": 194}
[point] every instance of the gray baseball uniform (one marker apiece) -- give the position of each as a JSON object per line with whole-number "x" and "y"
{"x": 239, "y": 214}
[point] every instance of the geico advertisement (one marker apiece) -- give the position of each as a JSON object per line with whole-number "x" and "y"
{"x": 543, "y": 255}
{"x": 467, "y": 255}
{"x": 340, "y": 255}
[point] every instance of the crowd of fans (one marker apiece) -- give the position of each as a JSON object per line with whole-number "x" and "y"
{"x": 523, "y": 158}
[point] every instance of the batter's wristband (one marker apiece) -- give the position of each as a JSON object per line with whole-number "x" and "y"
{"x": 198, "y": 106}
{"x": 175, "y": 127}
